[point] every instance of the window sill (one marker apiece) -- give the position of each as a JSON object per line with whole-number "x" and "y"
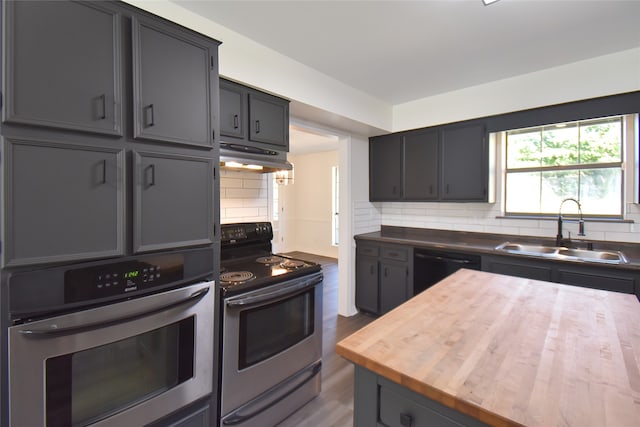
{"x": 569, "y": 218}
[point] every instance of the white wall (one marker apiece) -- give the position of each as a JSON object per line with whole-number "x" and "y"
{"x": 249, "y": 62}
{"x": 600, "y": 76}
{"x": 308, "y": 205}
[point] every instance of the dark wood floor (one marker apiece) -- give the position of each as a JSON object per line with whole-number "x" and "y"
{"x": 334, "y": 406}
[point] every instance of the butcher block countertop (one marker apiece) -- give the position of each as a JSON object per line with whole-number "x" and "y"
{"x": 511, "y": 351}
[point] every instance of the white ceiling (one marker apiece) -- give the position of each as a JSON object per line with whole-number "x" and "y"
{"x": 399, "y": 51}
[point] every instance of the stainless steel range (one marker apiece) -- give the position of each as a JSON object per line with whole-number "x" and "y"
{"x": 271, "y": 328}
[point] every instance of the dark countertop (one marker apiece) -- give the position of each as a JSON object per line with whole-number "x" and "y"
{"x": 485, "y": 243}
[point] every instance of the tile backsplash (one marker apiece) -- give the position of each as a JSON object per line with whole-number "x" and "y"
{"x": 244, "y": 196}
{"x": 485, "y": 218}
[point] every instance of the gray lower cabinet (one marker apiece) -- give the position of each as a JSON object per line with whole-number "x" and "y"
{"x": 62, "y": 66}
{"x": 383, "y": 403}
{"x": 538, "y": 270}
{"x": 581, "y": 274}
{"x": 382, "y": 276}
{"x": 62, "y": 202}
{"x": 367, "y": 293}
{"x": 172, "y": 79}
{"x": 173, "y": 201}
{"x": 597, "y": 278}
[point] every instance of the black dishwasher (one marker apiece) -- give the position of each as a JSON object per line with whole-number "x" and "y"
{"x": 431, "y": 266}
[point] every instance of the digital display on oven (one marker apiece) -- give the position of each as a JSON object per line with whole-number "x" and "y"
{"x": 123, "y": 277}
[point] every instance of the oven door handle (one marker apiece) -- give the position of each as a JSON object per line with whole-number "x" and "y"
{"x": 272, "y": 396}
{"x": 53, "y": 330}
{"x": 276, "y": 295}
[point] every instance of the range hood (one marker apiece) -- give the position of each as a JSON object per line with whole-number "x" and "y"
{"x": 248, "y": 158}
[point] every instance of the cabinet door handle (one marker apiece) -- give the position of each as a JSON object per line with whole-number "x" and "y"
{"x": 235, "y": 121}
{"x": 152, "y": 120}
{"x": 104, "y": 172}
{"x": 103, "y": 102}
{"x": 406, "y": 420}
{"x": 152, "y": 175}
{"x": 257, "y": 126}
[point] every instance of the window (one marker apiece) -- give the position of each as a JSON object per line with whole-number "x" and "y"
{"x": 582, "y": 160}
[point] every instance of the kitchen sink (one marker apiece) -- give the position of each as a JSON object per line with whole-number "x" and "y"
{"x": 555, "y": 252}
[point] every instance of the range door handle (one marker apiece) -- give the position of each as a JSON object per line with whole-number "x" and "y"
{"x": 261, "y": 297}
{"x": 81, "y": 325}
{"x": 272, "y": 396}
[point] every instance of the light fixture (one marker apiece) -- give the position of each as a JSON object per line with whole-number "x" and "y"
{"x": 238, "y": 165}
{"x": 284, "y": 177}
{"x": 488, "y": 2}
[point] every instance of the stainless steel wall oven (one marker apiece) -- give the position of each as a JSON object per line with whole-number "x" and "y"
{"x": 111, "y": 343}
{"x": 271, "y": 329}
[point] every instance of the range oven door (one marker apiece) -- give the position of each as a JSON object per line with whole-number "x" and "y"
{"x": 124, "y": 364}
{"x": 272, "y": 346}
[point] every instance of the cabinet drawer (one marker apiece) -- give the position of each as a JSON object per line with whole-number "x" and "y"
{"x": 368, "y": 250}
{"x": 398, "y": 254}
{"x": 400, "y": 407}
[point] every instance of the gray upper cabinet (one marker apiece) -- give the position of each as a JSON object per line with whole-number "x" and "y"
{"x": 71, "y": 209}
{"x": 420, "y": 172}
{"x": 172, "y": 84}
{"x": 385, "y": 168}
{"x": 253, "y": 118}
{"x": 173, "y": 201}
{"x": 269, "y": 120}
{"x": 232, "y": 110}
{"x": 442, "y": 163}
{"x": 62, "y": 65}
{"x": 464, "y": 163}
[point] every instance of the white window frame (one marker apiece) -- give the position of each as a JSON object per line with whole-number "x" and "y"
{"x": 629, "y": 168}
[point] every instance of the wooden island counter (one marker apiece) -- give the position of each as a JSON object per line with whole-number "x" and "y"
{"x": 481, "y": 348}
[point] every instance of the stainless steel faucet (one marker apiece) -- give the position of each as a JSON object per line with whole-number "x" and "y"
{"x": 560, "y": 241}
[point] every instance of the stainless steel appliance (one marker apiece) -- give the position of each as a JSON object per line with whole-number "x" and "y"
{"x": 111, "y": 343}
{"x": 271, "y": 328}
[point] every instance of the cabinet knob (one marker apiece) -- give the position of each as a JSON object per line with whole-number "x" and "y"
{"x": 406, "y": 420}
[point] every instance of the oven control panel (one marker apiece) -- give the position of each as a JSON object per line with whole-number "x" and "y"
{"x": 245, "y": 232}
{"x": 83, "y": 284}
